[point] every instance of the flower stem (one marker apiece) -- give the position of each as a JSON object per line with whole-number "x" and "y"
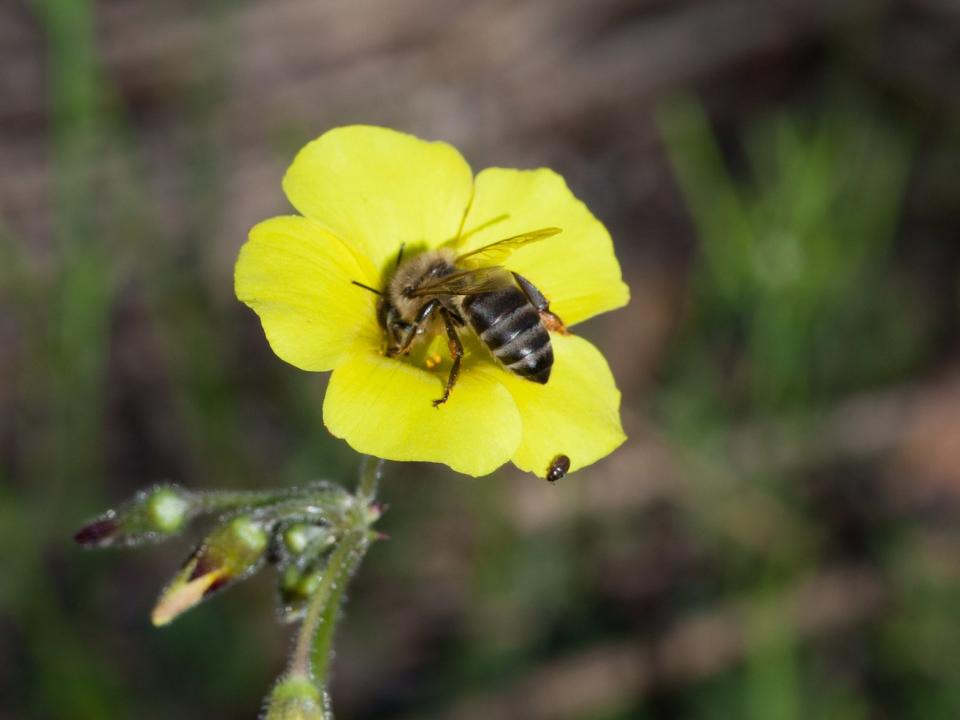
{"x": 225, "y": 500}
{"x": 370, "y": 472}
{"x": 316, "y": 631}
{"x": 313, "y": 649}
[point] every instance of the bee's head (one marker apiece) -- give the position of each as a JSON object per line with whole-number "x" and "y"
{"x": 394, "y": 326}
{"x": 389, "y": 319}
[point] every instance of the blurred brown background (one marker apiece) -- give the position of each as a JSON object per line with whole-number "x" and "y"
{"x": 777, "y": 539}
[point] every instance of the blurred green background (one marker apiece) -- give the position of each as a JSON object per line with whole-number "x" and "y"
{"x": 777, "y": 540}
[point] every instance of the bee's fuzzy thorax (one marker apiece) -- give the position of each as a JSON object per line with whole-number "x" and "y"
{"x": 411, "y": 274}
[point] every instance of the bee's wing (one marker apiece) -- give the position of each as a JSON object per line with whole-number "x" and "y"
{"x": 498, "y": 252}
{"x": 468, "y": 282}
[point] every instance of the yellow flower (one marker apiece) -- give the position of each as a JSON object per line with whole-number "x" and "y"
{"x": 363, "y": 193}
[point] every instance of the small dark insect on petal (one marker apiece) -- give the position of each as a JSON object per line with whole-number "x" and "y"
{"x": 558, "y": 468}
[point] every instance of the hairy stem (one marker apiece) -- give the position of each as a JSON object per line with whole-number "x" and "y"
{"x": 370, "y": 472}
{"x": 314, "y": 632}
{"x": 221, "y": 500}
{"x": 313, "y": 649}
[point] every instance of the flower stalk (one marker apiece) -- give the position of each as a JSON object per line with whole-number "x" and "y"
{"x": 313, "y": 649}
{"x": 316, "y": 535}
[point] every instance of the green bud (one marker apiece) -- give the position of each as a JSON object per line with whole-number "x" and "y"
{"x": 242, "y": 536}
{"x": 167, "y": 510}
{"x": 232, "y": 552}
{"x": 294, "y": 698}
{"x": 152, "y": 515}
{"x": 302, "y": 538}
{"x": 296, "y": 538}
{"x": 298, "y": 583}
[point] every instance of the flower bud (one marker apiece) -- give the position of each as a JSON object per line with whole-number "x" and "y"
{"x": 298, "y": 583}
{"x": 154, "y": 514}
{"x": 294, "y": 698}
{"x": 232, "y": 552}
{"x": 298, "y": 538}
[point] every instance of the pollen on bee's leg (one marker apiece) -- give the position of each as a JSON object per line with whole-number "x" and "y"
{"x": 553, "y": 323}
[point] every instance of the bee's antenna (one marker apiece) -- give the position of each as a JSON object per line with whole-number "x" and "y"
{"x": 400, "y": 254}
{"x": 367, "y": 287}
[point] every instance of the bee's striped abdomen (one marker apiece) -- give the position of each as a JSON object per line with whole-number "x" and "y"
{"x": 510, "y": 326}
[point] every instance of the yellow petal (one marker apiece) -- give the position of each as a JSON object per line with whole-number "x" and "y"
{"x": 384, "y": 407}
{"x": 377, "y": 188}
{"x": 577, "y": 269}
{"x": 577, "y": 412}
{"x": 296, "y": 276}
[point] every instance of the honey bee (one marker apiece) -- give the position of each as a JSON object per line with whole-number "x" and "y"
{"x": 441, "y": 291}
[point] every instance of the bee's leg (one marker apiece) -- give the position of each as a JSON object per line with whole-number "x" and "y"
{"x": 410, "y": 333}
{"x": 456, "y": 352}
{"x": 551, "y": 321}
{"x": 452, "y": 311}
